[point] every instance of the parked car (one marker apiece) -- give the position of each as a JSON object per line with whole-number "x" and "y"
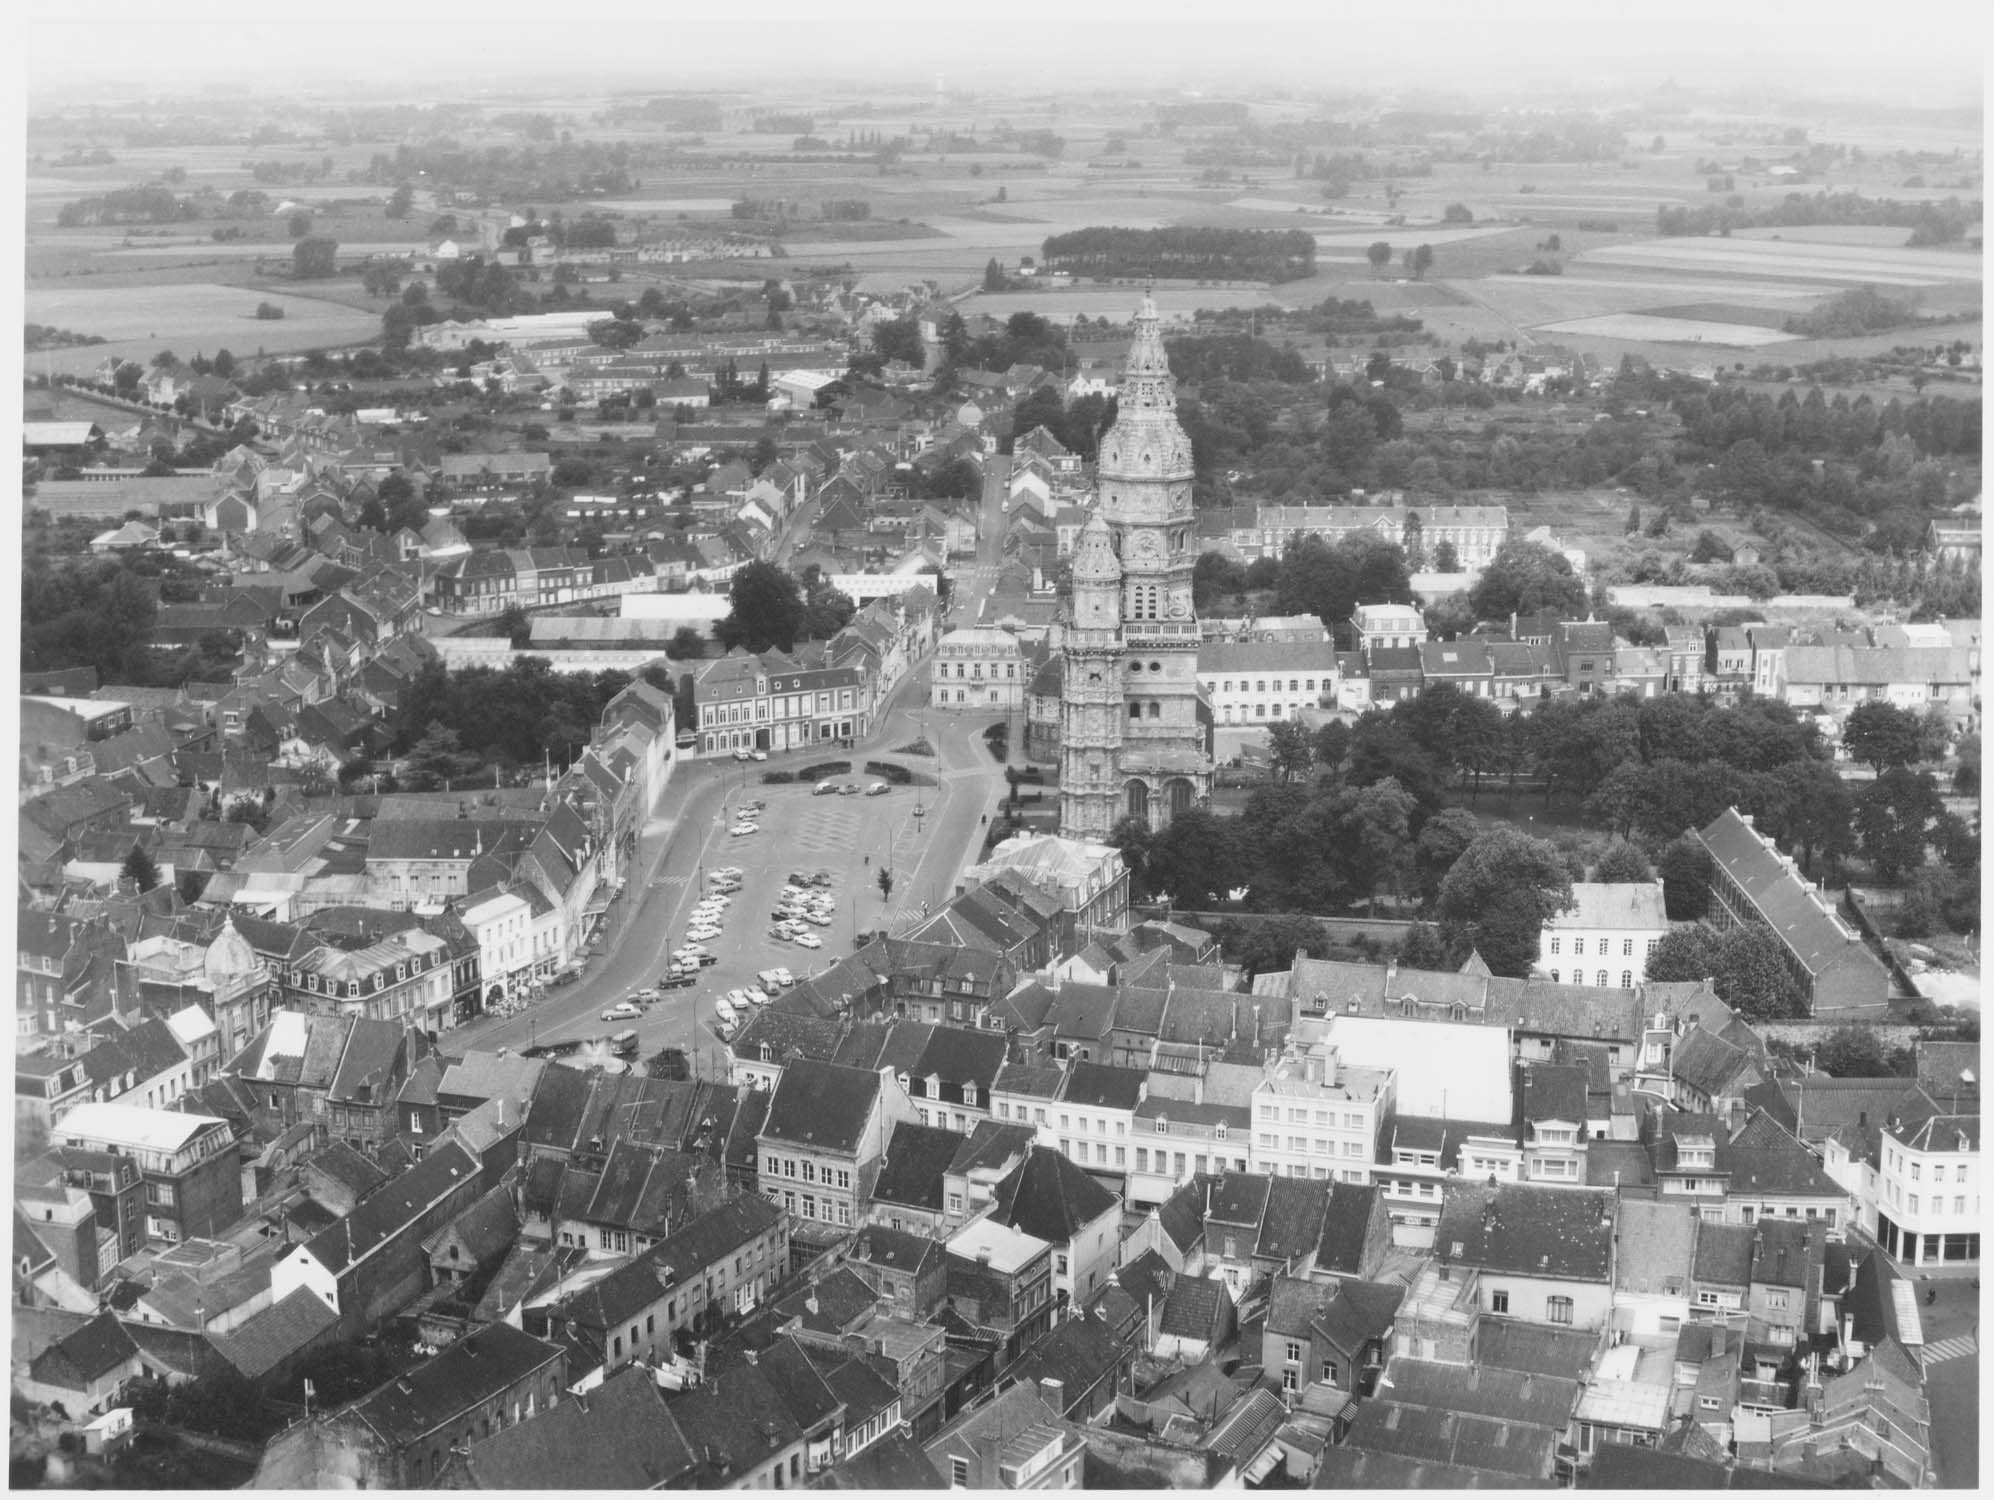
{"x": 878, "y": 789}
{"x": 825, "y": 789}
{"x": 849, "y": 789}
{"x": 761, "y": 755}
{"x": 623, "y": 1010}
{"x": 809, "y": 940}
{"x": 680, "y": 979}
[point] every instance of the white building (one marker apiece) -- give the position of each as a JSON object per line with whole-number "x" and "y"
{"x": 1315, "y": 1115}
{"x": 979, "y": 666}
{"x": 1921, "y": 1200}
{"x": 503, "y": 926}
{"x": 1387, "y": 625}
{"x": 1258, "y": 683}
{"x": 1453, "y": 1070}
{"x": 1605, "y": 939}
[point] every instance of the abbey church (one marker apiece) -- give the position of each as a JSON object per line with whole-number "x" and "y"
{"x": 1135, "y": 736}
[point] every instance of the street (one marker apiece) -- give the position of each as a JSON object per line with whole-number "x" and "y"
{"x": 851, "y": 837}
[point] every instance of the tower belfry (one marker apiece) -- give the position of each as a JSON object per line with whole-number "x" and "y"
{"x": 1135, "y": 737}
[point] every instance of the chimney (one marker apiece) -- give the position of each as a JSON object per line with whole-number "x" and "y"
{"x": 1054, "y": 1393}
{"x": 1718, "y": 1334}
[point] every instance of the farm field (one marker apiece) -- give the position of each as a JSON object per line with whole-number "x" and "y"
{"x": 1780, "y": 258}
{"x": 139, "y": 321}
{"x": 1647, "y": 329}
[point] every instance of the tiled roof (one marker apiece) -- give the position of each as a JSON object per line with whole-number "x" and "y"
{"x": 473, "y": 1369}
{"x": 281, "y": 1330}
{"x": 1346, "y": 1220}
{"x": 621, "y": 1437}
{"x": 1293, "y": 1222}
{"x": 1192, "y": 1308}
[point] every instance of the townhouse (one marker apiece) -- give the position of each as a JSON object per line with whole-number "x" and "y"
{"x": 1253, "y": 683}
{"x": 820, "y": 1145}
{"x": 189, "y": 1163}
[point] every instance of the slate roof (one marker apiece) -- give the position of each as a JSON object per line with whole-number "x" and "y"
{"x": 1102, "y": 1086}
{"x": 477, "y": 1366}
{"x": 1050, "y": 1196}
{"x": 1657, "y": 1245}
{"x": 1239, "y": 1198}
{"x": 1293, "y": 1222}
{"x": 621, "y": 1436}
{"x": 1723, "y": 1254}
{"x": 990, "y": 1144}
{"x": 89, "y": 1353}
{"x": 1345, "y": 1221}
{"x": 1536, "y": 1349}
{"x": 1816, "y": 939}
{"x": 915, "y": 1167}
{"x": 821, "y": 1105}
{"x": 1522, "y": 1229}
{"x": 392, "y": 1208}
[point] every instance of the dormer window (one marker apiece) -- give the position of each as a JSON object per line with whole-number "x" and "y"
{"x": 904, "y": 1083}
{"x": 969, "y": 1093}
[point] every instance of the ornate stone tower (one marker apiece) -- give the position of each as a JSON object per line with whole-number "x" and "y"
{"x": 1090, "y": 719}
{"x": 1162, "y": 761}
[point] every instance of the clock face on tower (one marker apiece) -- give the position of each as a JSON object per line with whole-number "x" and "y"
{"x": 1146, "y": 546}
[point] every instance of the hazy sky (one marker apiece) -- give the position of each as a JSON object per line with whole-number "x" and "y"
{"x": 1922, "y": 51}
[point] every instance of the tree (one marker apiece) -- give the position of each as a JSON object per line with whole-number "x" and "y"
{"x": 993, "y": 276}
{"x": 884, "y": 879}
{"x": 1195, "y": 860}
{"x": 1623, "y": 864}
{"x": 1269, "y": 945}
{"x": 1748, "y": 965}
{"x": 1288, "y": 744}
{"x": 1498, "y": 896}
{"x": 1445, "y": 559}
{"x": 1895, "y": 818}
{"x": 1966, "y": 769}
{"x": 767, "y": 610}
{"x": 1332, "y": 746}
{"x": 140, "y": 869}
{"x": 1686, "y": 872}
{"x": 1881, "y": 735}
{"x": 1379, "y": 255}
{"x": 1423, "y": 948}
{"x": 1422, "y": 261}
{"x": 899, "y": 338}
{"x": 1524, "y": 577}
{"x": 515, "y": 625}
{"x": 299, "y": 224}
{"x": 1133, "y": 837}
{"x": 1852, "y": 1052}
{"x": 315, "y": 257}
{"x": 1443, "y": 839}
{"x": 400, "y": 202}
{"x": 688, "y": 643}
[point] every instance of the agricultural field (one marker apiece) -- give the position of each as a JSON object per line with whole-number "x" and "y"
{"x": 138, "y": 321}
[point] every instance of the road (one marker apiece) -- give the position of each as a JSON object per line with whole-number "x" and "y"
{"x": 849, "y": 836}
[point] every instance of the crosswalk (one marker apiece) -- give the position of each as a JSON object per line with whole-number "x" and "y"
{"x": 1958, "y": 1347}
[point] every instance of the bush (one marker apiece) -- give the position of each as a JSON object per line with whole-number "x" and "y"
{"x": 821, "y": 770}
{"x": 915, "y": 747}
{"x": 777, "y": 778}
{"x": 998, "y": 738}
{"x": 886, "y": 770}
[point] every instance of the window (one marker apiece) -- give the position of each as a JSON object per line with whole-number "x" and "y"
{"x": 1627, "y": 947}
{"x": 1556, "y": 944}
{"x": 1627, "y": 979}
{"x": 1329, "y": 1371}
{"x": 1293, "y": 1351}
{"x": 1499, "y": 1302}
{"x": 1291, "y": 1379}
{"x": 1558, "y": 1310}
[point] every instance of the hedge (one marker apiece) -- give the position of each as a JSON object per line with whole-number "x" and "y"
{"x": 777, "y": 778}
{"x": 820, "y": 771}
{"x": 886, "y": 770}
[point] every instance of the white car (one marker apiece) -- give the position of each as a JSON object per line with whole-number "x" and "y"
{"x": 744, "y": 830}
{"x": 783, "y": 977}
{"x": 756, "y": 995}
{"x": 701, "y": 934}
{"x": 738, "y": 998}
{"x": 761, "y": 755}
{"x": 808, "y": 940}
{"x": 693, "y": 950}
{"x": 623, "y": 1010}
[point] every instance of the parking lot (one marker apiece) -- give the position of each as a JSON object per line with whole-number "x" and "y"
{"x": 847, "y": 838}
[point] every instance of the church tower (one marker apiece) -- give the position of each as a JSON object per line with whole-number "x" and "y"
{"x": 1090, "y": 716}
{"x": 1162, "y": 762}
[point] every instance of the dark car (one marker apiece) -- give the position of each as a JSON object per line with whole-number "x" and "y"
{"x": 675, "y": 981}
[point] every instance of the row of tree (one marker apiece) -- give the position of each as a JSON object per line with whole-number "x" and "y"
{"x": 1274, "y": 255}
